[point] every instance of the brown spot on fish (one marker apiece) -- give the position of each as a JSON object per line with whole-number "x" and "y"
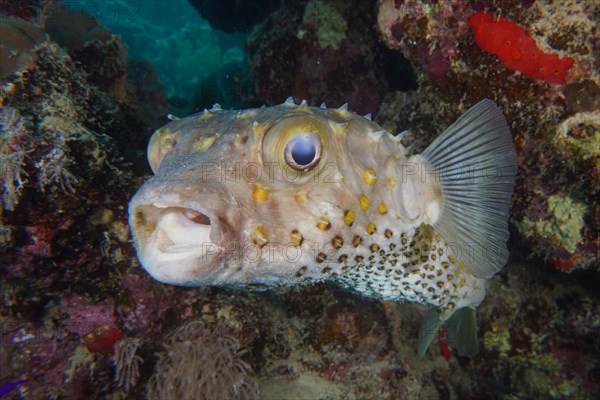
{"x": 356, "y": 241}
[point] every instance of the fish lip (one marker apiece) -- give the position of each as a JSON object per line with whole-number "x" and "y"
{"x": 177, "y": 242}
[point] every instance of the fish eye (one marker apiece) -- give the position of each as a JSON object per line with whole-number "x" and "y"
{"x": 303, "y": 151}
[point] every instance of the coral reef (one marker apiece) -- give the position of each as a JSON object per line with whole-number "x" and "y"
{"x": 127, "y": 363}
{"x": 553, "y": 125}
{"x": 78, "y": 317}
{"x": 309, "y": 51}
{"x": 199, "y": 364}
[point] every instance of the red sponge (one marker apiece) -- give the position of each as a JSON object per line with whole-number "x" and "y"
{"x": 517, "y": 50}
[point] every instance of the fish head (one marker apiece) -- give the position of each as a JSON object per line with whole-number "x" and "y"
{"x": 264, "y": 196}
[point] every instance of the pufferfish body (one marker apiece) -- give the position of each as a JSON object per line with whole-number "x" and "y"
{"x": 293, "y": 194}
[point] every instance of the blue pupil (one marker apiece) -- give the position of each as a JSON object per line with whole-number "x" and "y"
{"x": 303, "y": 150}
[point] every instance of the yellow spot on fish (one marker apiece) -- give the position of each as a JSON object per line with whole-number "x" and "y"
{"x": 370, "y": 177}
{"x": 462, "y": 282}
{"x": 240, "y": 140}
{"x": 341, "y": 112}
{"x": 364, "y": 202}
{"x": 301, "y": 197}
{"x": 303, "y": 107}
{"x": 259, "y": 236}
{"x": 323, "y": 224}
{"x": 206, "y": 142}
{"x": 349, "y": 217}
{"x": 437, "y": 238}
{"x": 452, "y": 259}
{"x": 261, "y": 193}
{"x": 341, "y": 129}
{"x": 206, "y": 115}
{"x": 398, "y": 216}
{"x": 382, "y": 209}
{"x": 356, "y": 241}
{"x": 393, "y": 182}
{"x": 246, "y": 114}
{"x": 337, "y": 242}
{"x": 258, "y": 130}
{"x": 371, "y": 228}
{"x": 341, "y": 180}
{"x": 296, "y": 238}
{"x": 461, "y": 264}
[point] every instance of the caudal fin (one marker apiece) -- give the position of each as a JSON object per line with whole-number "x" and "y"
{"x": 475, "y": 163}
{"x": 461, "y": 331}
{"x": 429, "y": 328}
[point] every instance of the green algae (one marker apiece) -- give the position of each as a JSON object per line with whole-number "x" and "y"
{"x": 564, "y": 225}
{"x": 497, "y": 339}
{"x": 326, "y": 22}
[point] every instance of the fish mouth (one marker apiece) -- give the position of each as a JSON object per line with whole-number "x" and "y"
{"x": 176, "y": 243}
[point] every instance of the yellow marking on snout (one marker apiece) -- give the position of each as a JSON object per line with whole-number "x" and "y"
{"x": 261, "y": 193}
{"x": 301, "y": 197}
